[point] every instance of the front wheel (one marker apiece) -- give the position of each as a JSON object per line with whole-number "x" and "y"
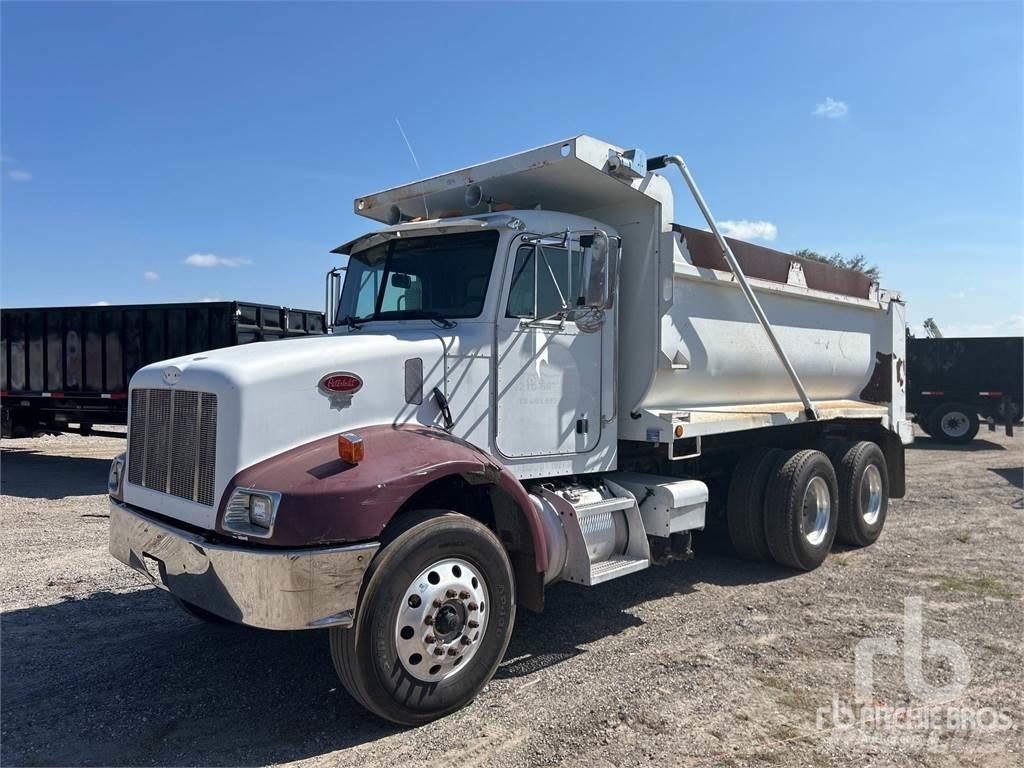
{"x": 433, "y": 623}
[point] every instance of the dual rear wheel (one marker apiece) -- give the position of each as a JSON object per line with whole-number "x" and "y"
{"x": 790, "y": 506}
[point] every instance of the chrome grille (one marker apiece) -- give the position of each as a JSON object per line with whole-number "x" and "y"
{"x": 172, "y": 442}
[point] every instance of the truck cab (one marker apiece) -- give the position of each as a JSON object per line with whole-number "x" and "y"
{"x": 524, "y": 361}
{"x": 533, "y": 375}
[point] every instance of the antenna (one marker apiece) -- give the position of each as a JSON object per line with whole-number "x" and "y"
{"x": 408, "y": 145}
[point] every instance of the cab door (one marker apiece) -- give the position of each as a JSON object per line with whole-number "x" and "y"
{"x": 549, "y": 373}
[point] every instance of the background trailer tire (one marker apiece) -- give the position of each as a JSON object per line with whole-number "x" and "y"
{"x": 953, "y": 423}
{"x": 863, "y": 494}
{"x": 433, "y": 623}
{"x": 800, "y": 509}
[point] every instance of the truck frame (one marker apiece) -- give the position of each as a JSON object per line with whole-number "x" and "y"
{"x": 533, "y": 375}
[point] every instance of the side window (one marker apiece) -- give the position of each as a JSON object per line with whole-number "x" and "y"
{"x": 367, "y": 296}
{"x": 520, "y": 295}
{"x": 556, "y": 275}
{"x": 362, "y": 283}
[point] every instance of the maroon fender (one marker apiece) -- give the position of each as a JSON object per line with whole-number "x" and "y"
{"x": 326, "y": 500}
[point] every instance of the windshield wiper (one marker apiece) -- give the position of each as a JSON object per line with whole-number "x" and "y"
{"x": 435, "y": 317}
{"x": 416, "y": 314}
{"x": 354, "y": 323}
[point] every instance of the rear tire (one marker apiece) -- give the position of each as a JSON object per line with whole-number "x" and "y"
{"x": 388, "y": 659}
{"x": 745, "y": 507}
{"x": 863, "y": 494}
{"x": 954, "y": 423}
{"x": 801, "y": 509}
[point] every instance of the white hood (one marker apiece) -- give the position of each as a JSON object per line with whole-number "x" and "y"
{"x": 268, "y": 400}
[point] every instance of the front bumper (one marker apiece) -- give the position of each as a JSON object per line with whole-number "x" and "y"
{"x": 272, "y": 589}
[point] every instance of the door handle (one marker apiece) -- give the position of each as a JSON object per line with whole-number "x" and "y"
{"x": 442, "y": 404}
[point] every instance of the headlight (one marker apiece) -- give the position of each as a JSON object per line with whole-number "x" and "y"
{"x": 251, "y": 512}
{"x": 261, "y": 511}
{"x": 115, "y": 480}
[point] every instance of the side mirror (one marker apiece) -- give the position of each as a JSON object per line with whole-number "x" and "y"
{"x": 398, "y": 280}
{"x": 332, "y": 294}
{"x": 600, "y": 267}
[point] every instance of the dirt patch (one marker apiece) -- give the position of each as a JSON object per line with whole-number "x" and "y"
{"x": 713, "y": 662}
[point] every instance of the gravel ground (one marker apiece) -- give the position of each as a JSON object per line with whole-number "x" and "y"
{"x": 708, "y": 662}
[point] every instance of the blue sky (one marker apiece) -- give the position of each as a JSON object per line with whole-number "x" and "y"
{"x": 174, "y": 151}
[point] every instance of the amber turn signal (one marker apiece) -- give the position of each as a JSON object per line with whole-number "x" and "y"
{"x": 679, "y": 430}
{"x": 350, "y": 447}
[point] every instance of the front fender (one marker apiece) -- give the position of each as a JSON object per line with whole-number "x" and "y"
{"x": 325, "y": 500}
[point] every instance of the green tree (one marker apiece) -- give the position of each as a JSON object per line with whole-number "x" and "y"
{"x": 858, "y": 263}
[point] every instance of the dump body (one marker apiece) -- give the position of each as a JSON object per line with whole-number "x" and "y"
{"x": 61, "y": 365}
{"x": 843, "y": 337}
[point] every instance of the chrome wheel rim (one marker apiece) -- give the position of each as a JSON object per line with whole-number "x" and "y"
{"x": 817, "y": 509}
{"x": 871, "y": 494}
{"x": 955, "y": 424}
{"x": 441, "y": 620}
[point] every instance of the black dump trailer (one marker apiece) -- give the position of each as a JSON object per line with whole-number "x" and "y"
{"x": 951, "y": 382}
{"x": 70, "y": 366}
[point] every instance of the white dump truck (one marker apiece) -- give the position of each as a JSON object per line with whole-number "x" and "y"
{"x": 533, "y": 376}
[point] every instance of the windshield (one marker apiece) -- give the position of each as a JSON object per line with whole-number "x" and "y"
{"x": 439, "y": 276}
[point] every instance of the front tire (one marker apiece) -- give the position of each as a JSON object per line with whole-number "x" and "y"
{"x": 433, "y": 622}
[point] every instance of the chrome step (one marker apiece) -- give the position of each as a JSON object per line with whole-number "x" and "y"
{"x": 615, "y": 567}
{"x": 605, "y": 538}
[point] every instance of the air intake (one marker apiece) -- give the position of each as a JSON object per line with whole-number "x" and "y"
{"x": 172, "y": 442}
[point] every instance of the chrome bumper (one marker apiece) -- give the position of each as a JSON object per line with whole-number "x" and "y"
{"x": 282, "y": 589}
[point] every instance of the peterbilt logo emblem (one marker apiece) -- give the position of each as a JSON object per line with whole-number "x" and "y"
{"x": 172, "y": 376}
{"x": 339, "y": 388}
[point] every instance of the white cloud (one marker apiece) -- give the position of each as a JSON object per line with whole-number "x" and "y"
{"x": 749, "y": 230}
{"x": 211, "y": 260}
{"x": 209, "y": 299}
{"x": 100, "y": 304}
{"x": 17, "y": 175}
{"x": 151, "y": 275}
{"x": 831, "y": 108}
